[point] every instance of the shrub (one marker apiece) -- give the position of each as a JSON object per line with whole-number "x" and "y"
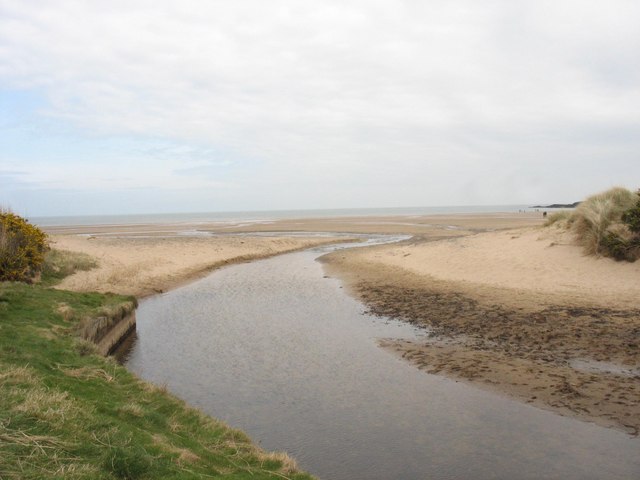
{"x": 623, "y": 243}
{"x": 617, "y": 247}
{"x": 22, "y": 248}
{"x": 631, "y": 217}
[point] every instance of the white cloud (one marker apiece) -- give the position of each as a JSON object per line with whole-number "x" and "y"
{"x": 424, "y": 97}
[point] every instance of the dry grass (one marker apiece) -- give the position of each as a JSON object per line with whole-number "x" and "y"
{"x": 562, "y": 217}
{"x": 51, "y": 406}
{"x": 184, "y": 455}
{"x": 126, "y": 274}
{"x": 45, "y": 456}
{"x": 40, "y": 442}
{"x": 289, "y": 465}
{"x": 153, "y": 388}
{"x": 11, "y": 375}
{"x": 86, "y": 373}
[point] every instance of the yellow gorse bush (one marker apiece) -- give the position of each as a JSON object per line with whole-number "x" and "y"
{"x": 22, "y": 248}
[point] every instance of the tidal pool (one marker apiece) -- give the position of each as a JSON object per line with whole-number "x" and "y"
{"x": 278, "y": 349}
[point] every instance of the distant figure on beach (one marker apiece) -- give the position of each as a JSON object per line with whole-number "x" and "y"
{"x": 544, "y": 214}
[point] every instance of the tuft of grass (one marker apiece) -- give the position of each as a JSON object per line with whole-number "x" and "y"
{"x": 128, "y": 463}
{"x": 65, "y": 311}
{"x": 59, "y": 264}
{"x": 68, "y": 413}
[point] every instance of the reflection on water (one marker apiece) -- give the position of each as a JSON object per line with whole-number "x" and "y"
{"x": 277, "y": 350}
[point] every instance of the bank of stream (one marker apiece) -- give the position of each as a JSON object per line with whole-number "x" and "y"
{"x": 278, "y": 349}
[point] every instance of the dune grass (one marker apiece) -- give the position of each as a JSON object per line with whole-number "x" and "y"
{"x": 561, "y": 216}
{"x": 603, "y": 224}
{"x": 594, "y": 217}
{"x": 66, "y": 413}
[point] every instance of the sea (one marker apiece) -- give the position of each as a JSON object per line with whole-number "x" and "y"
{"x": 265, "y": 215}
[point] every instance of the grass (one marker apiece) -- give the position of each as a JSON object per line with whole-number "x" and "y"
{"x": 59, "y": 264}
{"x": 66, "y": 413}
{"x": 558, "y": 217}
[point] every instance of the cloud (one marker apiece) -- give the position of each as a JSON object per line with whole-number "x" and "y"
{"x": 355, "y": 95}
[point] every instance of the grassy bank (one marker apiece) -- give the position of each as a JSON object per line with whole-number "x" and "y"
{"x": 66, "y": 412}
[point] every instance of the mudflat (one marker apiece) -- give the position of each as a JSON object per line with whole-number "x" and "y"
{"x": 519, "y": 311}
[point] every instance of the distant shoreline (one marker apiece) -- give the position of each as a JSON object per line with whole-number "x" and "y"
{"x": 558, "y": 205}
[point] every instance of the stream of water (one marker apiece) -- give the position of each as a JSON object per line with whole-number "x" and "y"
{"x": 278, "y": 349}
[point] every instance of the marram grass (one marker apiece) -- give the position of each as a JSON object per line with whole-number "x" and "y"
{"x": 594, "y": 217}
{"x": 66, "y": 413}
{"x": 603, "y": 224}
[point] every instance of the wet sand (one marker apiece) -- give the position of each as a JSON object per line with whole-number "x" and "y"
{"x": 522, "y": 312}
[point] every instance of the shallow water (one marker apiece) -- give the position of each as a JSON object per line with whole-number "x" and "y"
{"x": 277, "y": 349}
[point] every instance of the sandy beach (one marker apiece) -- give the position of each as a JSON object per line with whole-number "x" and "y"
{"x": 510, "y": 306}
{"x": 142, "y": 266}
{"x": 522, "y": 312}
{"x": 143, "y": 259}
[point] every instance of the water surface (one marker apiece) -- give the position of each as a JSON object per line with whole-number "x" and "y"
{"x": 266, "y": 216}
{"x": 277, "y": 349}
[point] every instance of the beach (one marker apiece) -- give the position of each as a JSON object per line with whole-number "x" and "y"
{"x": 508, "y": 305}
{"x": 147, "y": 265}
{"x": 146, "y": 258}
{"x": 522, "y": 312}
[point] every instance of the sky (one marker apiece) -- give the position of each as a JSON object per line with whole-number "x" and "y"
{"x": 143, "y": 106}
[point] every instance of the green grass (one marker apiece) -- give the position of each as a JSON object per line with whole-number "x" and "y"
{"x": 66, "y": 413}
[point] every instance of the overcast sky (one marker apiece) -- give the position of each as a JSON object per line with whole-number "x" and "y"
{"x": 150, "y": 106}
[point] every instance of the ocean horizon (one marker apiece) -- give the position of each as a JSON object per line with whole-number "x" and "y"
{"x": 264, "y": 215}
